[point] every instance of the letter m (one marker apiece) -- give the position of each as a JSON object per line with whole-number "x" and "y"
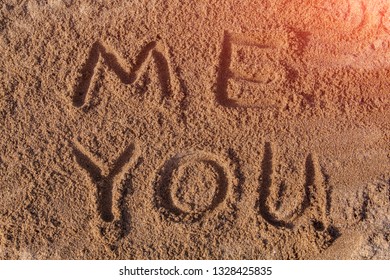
{"x": 154, "y": 50}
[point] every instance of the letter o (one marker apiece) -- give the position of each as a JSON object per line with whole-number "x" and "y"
{"x": 181, "y": 201}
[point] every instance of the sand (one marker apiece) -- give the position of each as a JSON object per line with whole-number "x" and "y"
{"x": 195, "y": 129}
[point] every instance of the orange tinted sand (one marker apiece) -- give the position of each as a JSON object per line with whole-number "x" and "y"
{"x": 195, "y": 129}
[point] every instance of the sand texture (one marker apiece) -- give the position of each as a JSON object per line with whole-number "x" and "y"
{"x": 170, "y": 129}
